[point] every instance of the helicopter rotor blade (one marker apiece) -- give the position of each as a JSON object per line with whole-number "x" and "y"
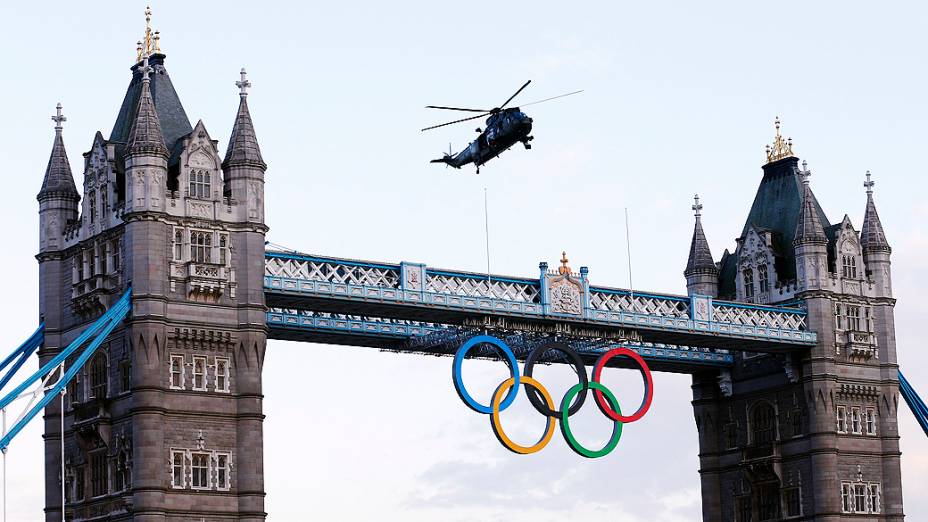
{"x": 454, "y": 108}
{"x": 505, "y": 103}
{"x": 551, "y": 98}
{"x": 455, "y": 121}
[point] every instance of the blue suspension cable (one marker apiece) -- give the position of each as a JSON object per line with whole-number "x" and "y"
{"x": 113, "y": 317}
{"x": 64, "y": 354}
{"x": 24, "y": 351}
{"x": 916, "y": 404}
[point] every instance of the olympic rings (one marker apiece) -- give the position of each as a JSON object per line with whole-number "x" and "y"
{"x": 569, "y": 436}
{"x": 645, "y": 376}
{"x": 498, "y": 428}
{"x": 577, "y": 363}
{"x": 459, "y": 383}
{"x": 541, "y": 399}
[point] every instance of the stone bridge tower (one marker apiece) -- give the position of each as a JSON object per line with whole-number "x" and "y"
{"x": 807, "y": 434}
{"x": 165, "y": 422}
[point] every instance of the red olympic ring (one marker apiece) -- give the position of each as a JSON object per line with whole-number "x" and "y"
{"x": 645, "y": 376}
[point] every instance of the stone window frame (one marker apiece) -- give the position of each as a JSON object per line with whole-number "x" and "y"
{"x": 178, "y": 242}
{"x": 172, "y": 469}
{"x": 125, "y": 376}
{"x": 874, "y": 498}
{"x": 227, "y": 388}
{"x": 860, "y": 493}
{"x": 223, "y": 249}
{"x": 227, "y": 467}
{"x": 194, "y": 469}
{"x": 743, "y": 508}
{"x": 747, "y": 275}
{"x": 182, "y": 372}
{"x": 763, "y": 278}
{"x": 752, "y": 429}
{"x": 786, "y": 505}
{"x": 856, "y": 424}
{"x": 849, "y": 266}
{"x": 99, "y": 368}
{"x": 194, "y": 374}
{"x": 92, "y": 205}
{"x": 199, "y": 183}
{"x": 98, "y": 462}
{"x": 869, "y": 422}
{"x": 201, "y": 245}
{"x": 841, "y": 419}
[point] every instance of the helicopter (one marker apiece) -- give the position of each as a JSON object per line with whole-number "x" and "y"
{"x": 504, "y": 128}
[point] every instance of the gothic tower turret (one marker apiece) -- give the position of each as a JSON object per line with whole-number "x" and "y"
{"x": 58, "y": 196}
{"x": 876, "y": 249}
{"x": 702, "y": 275}
{"x": 810, "y": 242}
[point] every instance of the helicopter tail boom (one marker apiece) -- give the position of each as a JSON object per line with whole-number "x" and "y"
{"x": 448, "y": 160}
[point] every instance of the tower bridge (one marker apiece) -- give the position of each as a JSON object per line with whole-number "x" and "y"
{"x": 789, "y": 337}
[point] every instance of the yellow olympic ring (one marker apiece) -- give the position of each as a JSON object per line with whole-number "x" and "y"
{"x": 498, "y": 428}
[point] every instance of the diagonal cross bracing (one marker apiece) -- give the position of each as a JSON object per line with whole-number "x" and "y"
{"x": 423, "y": 296}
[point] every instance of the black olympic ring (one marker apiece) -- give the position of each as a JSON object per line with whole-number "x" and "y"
{"x": 535, "y": 397}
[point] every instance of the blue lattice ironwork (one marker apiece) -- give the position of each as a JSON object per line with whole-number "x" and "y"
{"x": 420, "y": 293}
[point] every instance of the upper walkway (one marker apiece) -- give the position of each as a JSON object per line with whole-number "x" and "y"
{"x": 349, "y": 301}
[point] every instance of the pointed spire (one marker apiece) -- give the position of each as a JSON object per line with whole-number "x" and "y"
{"x": 809, "y": 227}
{"x": 872, "y": 236}
{"x": 58, "y": 178}
{"x": 243, "y": 145}
{"x": 145, "y": 134}
{"x": 700, "y": 256}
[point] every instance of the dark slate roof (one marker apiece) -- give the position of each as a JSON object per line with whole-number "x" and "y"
{"x": 776, "y": 208}
{"x": 243, "y": 144}
{"x": 809, "y": 227}
{"x": 700, "y": 256}
{"x": 145, "y": 132}
{"x": 58, "y": 178}
{"x": 171, "y": 115}
{"x": 872, "y": 236}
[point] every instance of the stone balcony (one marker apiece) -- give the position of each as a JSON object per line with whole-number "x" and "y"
{"x": 93, "y": 295}
{"x": 205, "y": 282}
{"x": 857, "y": 343}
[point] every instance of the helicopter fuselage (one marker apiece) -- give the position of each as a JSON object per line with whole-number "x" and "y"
{"x": 503, "y": 130}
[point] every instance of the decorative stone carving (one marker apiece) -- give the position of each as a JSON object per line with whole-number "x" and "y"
{"x": 202, "y": 210}
{"x": 725, "y": 384}
{"x": 566, "y": 296}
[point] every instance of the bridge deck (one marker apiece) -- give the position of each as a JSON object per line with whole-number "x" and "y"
{"x": 411, "y": 291}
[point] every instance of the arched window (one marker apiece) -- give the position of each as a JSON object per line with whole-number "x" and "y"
{"x": 763, "y": 424}
{"x": 762, "y": 279}
{"x": 200, "y": 184}
{"x": 849, "y": 265}
{"x": 748, "y": 283}
{"x": 178, "y": 245}
{"x": 201, "y": 247}
{"x": 98, "y": 377}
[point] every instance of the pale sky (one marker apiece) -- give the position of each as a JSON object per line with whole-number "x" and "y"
{"x": 679, "y": 98}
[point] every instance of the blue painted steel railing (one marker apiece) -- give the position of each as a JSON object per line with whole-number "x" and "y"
{"x": 416, "y": 284}
{"x": 916, "y": 404}
{"x": 102, "y": 327}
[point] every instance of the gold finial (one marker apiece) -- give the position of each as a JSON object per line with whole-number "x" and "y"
{"x": 781, "y": 148}
{"x": 564, "y": 269}
{"x": 151, "y": 44}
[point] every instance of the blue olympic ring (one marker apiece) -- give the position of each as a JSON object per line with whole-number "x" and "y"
{"x": 459, "y": 383}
